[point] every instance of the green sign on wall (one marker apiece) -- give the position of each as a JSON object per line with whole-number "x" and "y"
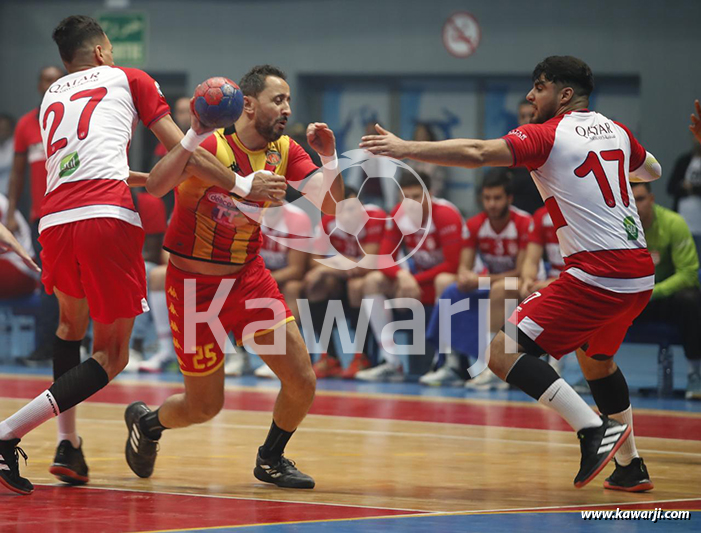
{"x": 127, "y": 32}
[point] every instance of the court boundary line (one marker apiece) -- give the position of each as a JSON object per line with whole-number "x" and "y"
{"x": 370, "y": 395}
{"x": 526, "y": 510}
{"x": 244, "y": 498}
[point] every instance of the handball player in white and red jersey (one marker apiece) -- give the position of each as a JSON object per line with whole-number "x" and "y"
{"x": 90, "y": 232}
{"x": 581, "y": 162}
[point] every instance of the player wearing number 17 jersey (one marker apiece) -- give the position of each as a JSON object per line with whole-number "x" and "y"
{"x": 581, "y": 162}
{"x": 90, "y": 233}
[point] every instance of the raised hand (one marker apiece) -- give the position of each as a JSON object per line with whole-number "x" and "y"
{"x": 321, "y": 138}
{"x": 195, "y": 123}
{"x": 385, "y": 143}
{"x": 8, "y": 243}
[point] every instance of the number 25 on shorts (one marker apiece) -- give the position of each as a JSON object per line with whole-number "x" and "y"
{"x": 204, "y": 352}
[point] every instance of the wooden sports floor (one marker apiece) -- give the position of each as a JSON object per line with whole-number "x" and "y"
{"x": 392, "y": 457}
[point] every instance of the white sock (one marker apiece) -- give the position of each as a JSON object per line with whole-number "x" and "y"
{"x": 379, "y": 318}
{"x": 161, "y": 320}
{"x": 627, "y": 452}
{"x": 35, "y": 413}
{"x": 570, "y": 406}
{"x": 67, "y": 427}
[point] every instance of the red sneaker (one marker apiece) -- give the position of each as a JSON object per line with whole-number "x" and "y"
{"x": 327, "y": 367}
{"x": 359, "y": 362}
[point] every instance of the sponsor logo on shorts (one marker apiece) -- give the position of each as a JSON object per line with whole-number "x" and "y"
{"x": 631, "y": 228}
{"x": 69, "y": 165}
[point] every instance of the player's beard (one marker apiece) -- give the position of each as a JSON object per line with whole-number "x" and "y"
{"x": 267, "y": 131}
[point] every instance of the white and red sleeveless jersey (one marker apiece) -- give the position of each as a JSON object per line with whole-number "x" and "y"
{"x": 87, "y": 119}
{"x": 445, "y": 228}
{"x": 580, "y": 163}
{"x": 543, "y": 233}
{"x": 346, "y": 244}
{"x": 498, "y": 250}
{"x": 289, "y": 221}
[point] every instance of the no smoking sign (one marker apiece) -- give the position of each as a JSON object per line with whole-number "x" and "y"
{"x": 461, "y": 34}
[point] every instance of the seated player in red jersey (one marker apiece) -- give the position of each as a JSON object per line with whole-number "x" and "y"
{"x": 17, "y": 277}
{"x": 287, "y": 266}
{"x": 438, "y": 253}
{"x": 498, "y": 237}
{"x": 542, "y": 242}
{"x": 581, "y": 162}
{"x": 216, "y": 271}
{"x": 324, "y": 282}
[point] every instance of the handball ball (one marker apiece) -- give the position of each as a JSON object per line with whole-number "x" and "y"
{"x": 218, "y": 102}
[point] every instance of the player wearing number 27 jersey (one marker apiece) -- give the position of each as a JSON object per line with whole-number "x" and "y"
{"x": 87, "y": 119}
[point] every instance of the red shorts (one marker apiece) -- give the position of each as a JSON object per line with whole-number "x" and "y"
{"x": 98, "y": 259}
{"x": 252, "y": 282}
{"x": 568, "y": 314}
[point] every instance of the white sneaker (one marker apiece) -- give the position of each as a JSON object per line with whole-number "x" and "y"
{"x": 264, "y": 371}
{"x": 486, "y": 381}
{"x": 238, "y": 364}
{"x": 445, "y": 375}
{"x": 157, "y": 362}
{"x": 135, "y": 359}
{"x": 383, "y": 372}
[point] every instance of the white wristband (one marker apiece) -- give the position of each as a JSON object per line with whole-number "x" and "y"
{"x": 329, "y": 161}
{"x": 192, "y": 140}
{"x": 243, "y": 185}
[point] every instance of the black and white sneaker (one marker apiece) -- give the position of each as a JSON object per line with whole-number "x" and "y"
{"x": 631, "y": 478}
{"x": 282, "y": 472}
{"x": 9, "y": 467}
{"x": 69, "y": 464}
{"x": 141, "y": 451}
{"x": 598, "y": 446}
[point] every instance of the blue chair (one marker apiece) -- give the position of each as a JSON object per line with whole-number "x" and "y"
{"x": 17, "y": 325}
{"x": 663, "y": 335}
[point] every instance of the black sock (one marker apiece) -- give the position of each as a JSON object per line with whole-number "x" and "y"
{"x": 78, "y": 384}
{"x": 66, "y": 355}
{"x": 318, "y": 312}
{"x": 151, "y": 426}
{"x": 611, "y": 393}
{"x": 532, "y": 375}
{"x": 275, "y": 442}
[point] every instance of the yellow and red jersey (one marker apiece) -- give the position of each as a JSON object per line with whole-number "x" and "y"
{"x": 207, "y": 224}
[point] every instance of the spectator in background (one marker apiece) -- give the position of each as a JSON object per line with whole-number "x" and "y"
{"x": 29, "y": 155}
{"x": 498, "y": 236}
{"x": 675, "y": 297}
{"x": 438, "y": 174}
{"x": 324, "y": 282}
{"x": 287, "y": 266}
{"x": 152, "y": 211}
{"x": 17, "y": 278}
{"x": 526, "y": 194}
{"x": 438, "y": 253}
{"x": 685, "y": 187}
{"x": 695, "y": 126}
{"x": 181, "y": 116}
{"x": 7, "y": 125}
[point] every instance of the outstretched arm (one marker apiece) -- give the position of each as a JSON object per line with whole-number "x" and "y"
{"x": 467, "y": 153}
{"x": 8, "y": 243}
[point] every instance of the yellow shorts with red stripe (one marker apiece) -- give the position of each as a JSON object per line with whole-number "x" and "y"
{"x": 196, "y": 302}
